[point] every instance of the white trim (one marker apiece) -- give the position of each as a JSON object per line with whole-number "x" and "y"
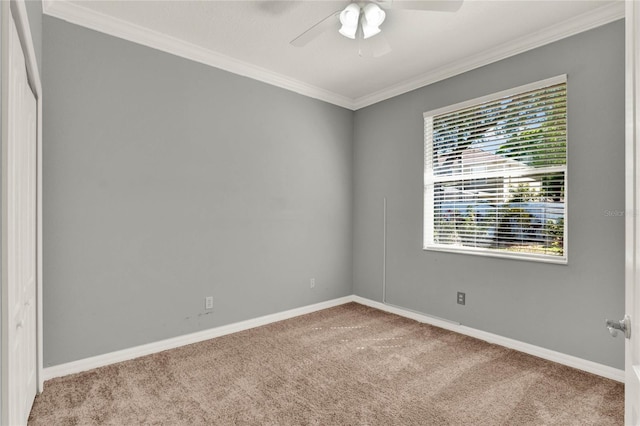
{"x": 76, "y": 14}
{"x": 5, "y": 16}
{"x": 39, "y": 251}
{"x": 586, "y": 21}
{"x": 24, "y": 30}
{"x": 151, "y": 348}
{"x": 79, "y": 15}
{"x": 568, "y": 360}
{"x": 20, "y": 17}
{"x": 187, "y": 339}
{"x": 34, "y": 77}
{"x": 488, "y": 252}
{"x": 632, "y": 213}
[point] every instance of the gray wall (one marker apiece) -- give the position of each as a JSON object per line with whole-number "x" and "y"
{"x": 166, "y": 181}
{"x": 557, "y": 307}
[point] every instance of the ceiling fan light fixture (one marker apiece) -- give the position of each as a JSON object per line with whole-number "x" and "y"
{"x": 349, "y": 18}
{"x": 373, "y": 18}
{"x": 369, "y": 31}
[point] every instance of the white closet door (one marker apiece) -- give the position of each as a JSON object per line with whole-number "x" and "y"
{"x": 632, "y": 289}
{"x": 21, "y": 237}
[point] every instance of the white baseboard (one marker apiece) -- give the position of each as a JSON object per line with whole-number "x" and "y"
{"x": 142, "y": 350}
{"x": 560, "y": 358}
{"x": 187, "y": 339}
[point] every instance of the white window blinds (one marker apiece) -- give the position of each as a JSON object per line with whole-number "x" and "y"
{"x": 495, "y": 174}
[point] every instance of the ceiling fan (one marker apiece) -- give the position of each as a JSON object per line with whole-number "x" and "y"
{"x": 362, "y": 19}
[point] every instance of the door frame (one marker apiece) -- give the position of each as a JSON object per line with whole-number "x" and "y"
{"x": 632, "y": 215}
{"x": 17, "y": 9}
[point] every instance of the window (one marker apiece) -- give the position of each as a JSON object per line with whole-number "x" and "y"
{"x": 495, "y": 174}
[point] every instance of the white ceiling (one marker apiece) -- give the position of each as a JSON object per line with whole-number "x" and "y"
{"x": 252, "y": 38}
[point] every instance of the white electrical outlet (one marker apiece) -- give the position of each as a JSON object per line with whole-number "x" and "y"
{"x": 312, "y": 283}
{"x": 208, "y": 302}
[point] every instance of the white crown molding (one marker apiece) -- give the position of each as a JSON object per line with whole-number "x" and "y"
{"x": 176, "y": 342}
{"x": 586, "y": 21}
{"x": 91, "y": 19}
{"x": 85, "y": 17}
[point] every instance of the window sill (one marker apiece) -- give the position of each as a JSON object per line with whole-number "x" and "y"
{"x": 558, "y": 260}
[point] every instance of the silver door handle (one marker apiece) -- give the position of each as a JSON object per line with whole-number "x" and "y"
{"x": 623, "y": 325}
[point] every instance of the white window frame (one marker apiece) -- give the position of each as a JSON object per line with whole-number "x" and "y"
{"x": 428, "y": 215}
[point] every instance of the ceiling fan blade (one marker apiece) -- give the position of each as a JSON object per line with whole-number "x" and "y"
{"x": 313, "y": 32}
{"x": 432, "y": 5}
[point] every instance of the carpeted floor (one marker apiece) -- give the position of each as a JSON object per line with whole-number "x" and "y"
{"x": 349, "y": 365}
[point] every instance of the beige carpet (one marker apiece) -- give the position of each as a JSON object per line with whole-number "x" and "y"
{"x": 349, "y": 365}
